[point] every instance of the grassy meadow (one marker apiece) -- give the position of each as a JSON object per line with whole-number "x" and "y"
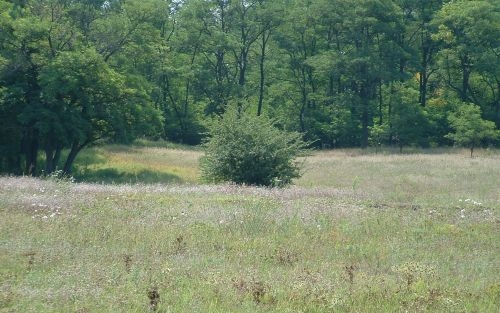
{"x": 359, "y": 232}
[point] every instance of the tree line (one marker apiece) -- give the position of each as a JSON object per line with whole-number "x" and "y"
{"x": 345, "y": 73}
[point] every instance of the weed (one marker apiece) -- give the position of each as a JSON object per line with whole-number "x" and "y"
{"x": 180, "y": 244}
{"x": 413, "y": 272}
{"x": 30, "y": 255}
{"x": 154, "y": 298}
{"x": 127, "y": 260}
{"x": 349, "y": 270}
{"x": 256, "y": 289}
{"x": 285, "y": 256}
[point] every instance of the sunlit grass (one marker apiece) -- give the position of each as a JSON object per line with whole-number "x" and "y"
{"x": 138, "y": 164}
{"x": 358, "y": 233}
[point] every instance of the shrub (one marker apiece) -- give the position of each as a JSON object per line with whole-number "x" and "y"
{"x": 247, "y": 149}
{"x": 470, "y": 128}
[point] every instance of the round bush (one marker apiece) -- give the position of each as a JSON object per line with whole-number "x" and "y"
{"x": 248, "y": 149}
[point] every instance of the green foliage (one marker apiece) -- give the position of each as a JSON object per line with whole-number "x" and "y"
{"x": 470, "y": 129}
{"x": 408, "y": 119}
{"x": 246, "y": 149}
{"x": 379, "y": 134}
{"x": 72, "y": 72}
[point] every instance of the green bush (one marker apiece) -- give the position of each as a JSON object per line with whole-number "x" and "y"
{"x": 248, "y": 149}
{"x": 470, "y": 128}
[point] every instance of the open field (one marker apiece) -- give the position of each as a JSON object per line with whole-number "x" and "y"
{"x": 358, "y": 233}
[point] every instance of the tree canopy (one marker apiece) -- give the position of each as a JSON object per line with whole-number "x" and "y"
{"x": 344, "y": 73}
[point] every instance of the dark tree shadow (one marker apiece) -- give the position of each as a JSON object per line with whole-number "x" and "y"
{"x": 113, "y": 176}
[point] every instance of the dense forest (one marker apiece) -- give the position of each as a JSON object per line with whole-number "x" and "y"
{"x": 345, "y": 73}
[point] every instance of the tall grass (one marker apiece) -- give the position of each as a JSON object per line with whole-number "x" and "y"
{"x": 358, "y": 233}
{"x": 426, "y": 179}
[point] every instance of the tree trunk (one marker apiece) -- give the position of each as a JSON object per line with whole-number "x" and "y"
{"x": 52, "y": 156}
{"x": 31, "y": 152}
{"x": 49, "y": 160}
{"x": 303, "y": 104}
{"x": 380, "y": 103}
{"x": 465, "y": 78}
{"x": 14, "y": 164}
{"x": 75, "y": 149}
{"x": 57, "y": 156}
{"x": 423, "y": 79}
{"x": 364, "y": 122}
{"x": 265, "y": 37}
{"x": 423, "y": 88}
{"x": 365, "y": 102}
{"x": 243, "y": 66}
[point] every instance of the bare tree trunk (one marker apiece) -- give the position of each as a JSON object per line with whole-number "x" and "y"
{"x": 76, "y": 147}
{"x": 265, "y": 37}
{"x": 31, "y": 152}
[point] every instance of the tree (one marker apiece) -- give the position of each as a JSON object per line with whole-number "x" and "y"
{"x": 268, "y": 18}
{"x": 408, "y": 122}
{"x": 299, "y": 40}
{"x": 28, "y": 43}
{"x": 418, "y": 15}
{"x": 57, "y": 92}
{"x": 362, "y": 50}
{"x": 86, "y": 101}
{"x": 470, "y": 32}
{"x": 248, "y": 149}
{"x": 75, "y": 71}
{"x": 470, "y": 130}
